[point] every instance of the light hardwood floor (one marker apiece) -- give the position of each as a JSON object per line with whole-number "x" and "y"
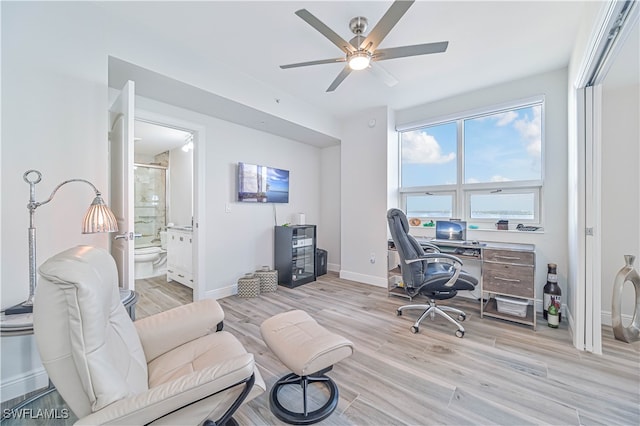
{"x": 499, "y": 373}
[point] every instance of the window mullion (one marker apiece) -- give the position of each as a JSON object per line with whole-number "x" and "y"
{"x": 459, "y": 208}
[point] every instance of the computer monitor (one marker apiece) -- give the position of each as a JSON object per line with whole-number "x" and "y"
{"x": 451, "y": 230}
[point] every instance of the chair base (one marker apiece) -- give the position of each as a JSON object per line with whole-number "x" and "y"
{"x": 431, "y": 310}
{"x": 306, "y": 417}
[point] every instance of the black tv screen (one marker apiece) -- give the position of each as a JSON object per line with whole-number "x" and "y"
{"x": 262, "y": 184}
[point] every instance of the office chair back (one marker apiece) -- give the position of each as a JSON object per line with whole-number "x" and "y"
{"x": 408, "y": 249}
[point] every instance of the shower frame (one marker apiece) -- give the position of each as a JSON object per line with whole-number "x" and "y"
{"x": 167, "y": 194}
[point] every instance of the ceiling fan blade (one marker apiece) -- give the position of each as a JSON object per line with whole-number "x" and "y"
{"x": 319, "y": 62}
{"x": 340, "y": 78}
{"x": 342, "y": 44}
{"x": 414, "y": 50}
{"x": 386, "y": 23}
{"x": 383, "y": 74}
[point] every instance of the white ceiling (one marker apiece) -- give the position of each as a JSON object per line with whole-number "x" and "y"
{"x": 152, "y": 139}
{"x": 489, "y": 43}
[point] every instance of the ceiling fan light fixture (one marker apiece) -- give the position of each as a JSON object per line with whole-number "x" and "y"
{"x": 359, "y": 60}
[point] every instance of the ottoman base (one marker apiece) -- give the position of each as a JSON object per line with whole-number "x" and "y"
{"x": 305, "y": 417}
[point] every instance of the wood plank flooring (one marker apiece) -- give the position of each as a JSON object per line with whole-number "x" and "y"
{"x": 499, "y": 373}
{"x": 157, "y": 295}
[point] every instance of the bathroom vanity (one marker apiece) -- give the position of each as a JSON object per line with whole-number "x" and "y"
{"x": 180, "y": 255}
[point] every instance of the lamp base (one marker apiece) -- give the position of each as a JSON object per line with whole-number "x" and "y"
{"x": 19, "y": 309}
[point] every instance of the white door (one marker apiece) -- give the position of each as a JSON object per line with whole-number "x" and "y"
{"x": 121, "y": 117}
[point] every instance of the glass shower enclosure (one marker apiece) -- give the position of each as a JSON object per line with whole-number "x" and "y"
{"x": 150, "y": 205}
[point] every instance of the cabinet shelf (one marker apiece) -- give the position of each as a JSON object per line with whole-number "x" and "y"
{"x": 295, "y": 254}
{"x": 491, "y": 310}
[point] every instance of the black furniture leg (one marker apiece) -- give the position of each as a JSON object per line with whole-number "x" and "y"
{"x": 306, "y": 417}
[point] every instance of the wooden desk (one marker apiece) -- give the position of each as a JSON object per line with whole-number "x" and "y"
{"x": 507, "y": 269}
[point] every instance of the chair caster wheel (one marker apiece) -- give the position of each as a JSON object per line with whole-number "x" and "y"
{"x": 460, "y": 333}
{"x": 398, "y": 313}
{"x": 462, "y": 317}
{"x": 414, "y": 329}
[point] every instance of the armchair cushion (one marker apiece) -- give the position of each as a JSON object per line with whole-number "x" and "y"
{"x": 193, "y": 356}
{"x": 176, "y": 367}
{"x": 78, "y": 298}
{"x": 167, "y": 330}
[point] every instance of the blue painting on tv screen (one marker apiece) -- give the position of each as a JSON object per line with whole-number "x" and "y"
{"x": 262, "y": 184}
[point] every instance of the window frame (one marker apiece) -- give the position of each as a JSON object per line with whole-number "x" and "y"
{"x": 462, "y": 192}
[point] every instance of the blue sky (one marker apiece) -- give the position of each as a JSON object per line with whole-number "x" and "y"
{"x": 498, "y": 147}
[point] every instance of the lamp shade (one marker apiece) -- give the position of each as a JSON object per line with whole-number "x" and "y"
{"x": 99, "y": 218}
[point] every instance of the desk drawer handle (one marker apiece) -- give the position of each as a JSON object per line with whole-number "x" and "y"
{"x": 507, "y": 257}
{"x": 511, "y": 280}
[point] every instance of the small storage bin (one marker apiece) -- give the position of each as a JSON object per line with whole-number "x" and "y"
{"x": 512, "y": 306}
{"x": 248, "y": 286}
{"x": 268, "y": 279}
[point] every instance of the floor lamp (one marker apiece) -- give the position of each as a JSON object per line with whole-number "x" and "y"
{"x": 99, "y": 218}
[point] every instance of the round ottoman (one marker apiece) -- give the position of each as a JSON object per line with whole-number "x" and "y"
{"x": 309, "y": 351}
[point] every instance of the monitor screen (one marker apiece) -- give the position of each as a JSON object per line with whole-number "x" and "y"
{"x": 451, "y": 230}
{"x": 262, "y": 184}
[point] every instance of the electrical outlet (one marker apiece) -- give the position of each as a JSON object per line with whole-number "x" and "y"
{"x": 372, "y": 258}
{"x": 227, "y": 208}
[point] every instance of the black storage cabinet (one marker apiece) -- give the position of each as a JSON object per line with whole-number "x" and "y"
{"x": 321, "y": 262}
{"x": 295, "y": 254}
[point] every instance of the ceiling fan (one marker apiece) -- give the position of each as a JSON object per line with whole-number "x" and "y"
{"x": 362, "y": 52}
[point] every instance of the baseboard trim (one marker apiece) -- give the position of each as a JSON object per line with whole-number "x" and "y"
{"x": 221, "y": 293}
{"x": 365, "y": 279}
{"x": 333, "y": 267}
{"x": 22, "y": 384}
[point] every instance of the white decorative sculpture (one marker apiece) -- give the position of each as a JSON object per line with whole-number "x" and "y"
{"x": 627, "y": 273}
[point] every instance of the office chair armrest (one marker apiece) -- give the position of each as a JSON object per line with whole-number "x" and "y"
{"x": 457, "y": 266}
{"x": 167, "y": 330}
{"x": 159, "y": 401}
{"x": 430, "y": 246}
{"x": 428, "y": 256}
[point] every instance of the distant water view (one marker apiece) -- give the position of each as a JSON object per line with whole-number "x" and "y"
{"x": 488, "y": 214}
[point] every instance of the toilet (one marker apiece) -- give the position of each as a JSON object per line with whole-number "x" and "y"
{"x": 151, "y": 261}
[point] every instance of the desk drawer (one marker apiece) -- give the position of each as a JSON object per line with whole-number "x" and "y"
{"x": 513, "y": 280}
{"x": 509, "y": 256}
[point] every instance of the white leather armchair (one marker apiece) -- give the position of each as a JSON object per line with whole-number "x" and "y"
{"x": 177, "y": 367}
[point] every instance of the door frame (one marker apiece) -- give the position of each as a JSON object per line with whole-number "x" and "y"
{"x": 611, "y": 30}
{"x": 199, "y": 181}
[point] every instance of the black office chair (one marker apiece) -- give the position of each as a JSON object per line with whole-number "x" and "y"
{"x": 435, "y": 275}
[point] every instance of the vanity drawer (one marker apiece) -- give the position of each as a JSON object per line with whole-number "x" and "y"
{"x": 515, "y": 280}
{"x": 509, "y": 256}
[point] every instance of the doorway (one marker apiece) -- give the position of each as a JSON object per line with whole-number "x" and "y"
{"x": 163, "y": 212}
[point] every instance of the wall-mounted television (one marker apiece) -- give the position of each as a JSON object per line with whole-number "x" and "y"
{"x": 262, "y": 184}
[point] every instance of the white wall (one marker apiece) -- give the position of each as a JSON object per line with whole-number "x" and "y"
{"x": 241, "y": 240}
{"x": 329, "y": 223}
{"x": 58, "y": 124}
{"x": 363, "y": 204}
{"x": 180, "y": 211}
{"x": 620, "y": 191}
{"x": 551, "y": 246}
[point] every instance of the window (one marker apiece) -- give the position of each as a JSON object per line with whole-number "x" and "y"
{"x": 481, "y": 167}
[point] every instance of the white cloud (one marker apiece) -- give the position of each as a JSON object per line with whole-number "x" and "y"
{"x": 498, "y": 178}
{"x": 420, "y": 147}
{"x": 531, "y": 132}
{"x": 505, "y": 117}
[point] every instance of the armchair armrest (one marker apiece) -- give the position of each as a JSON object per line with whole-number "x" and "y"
{"x": 161, "y": 400}
{"x": 167, "y": 330}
